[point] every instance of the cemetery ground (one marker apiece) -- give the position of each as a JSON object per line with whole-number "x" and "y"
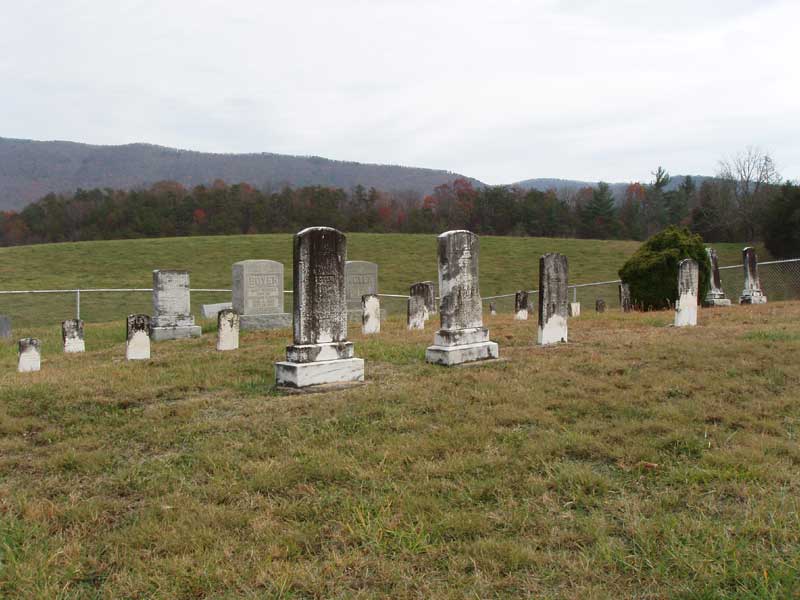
{"x": 637, "y": 461}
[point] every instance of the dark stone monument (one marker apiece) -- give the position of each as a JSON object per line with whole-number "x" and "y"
{"x": 600, "y": 305}
{"x": 752, "y": 292}
{"x": 715, "y": 295}
{"x": 521, "y": 305}
{"x": 625, "y": 303}
{"x": 553, "y": 301}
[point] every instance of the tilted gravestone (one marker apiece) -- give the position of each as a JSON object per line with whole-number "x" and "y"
{"x": 462, "y": 337}
{"x": 625, "y": 303}
{"x": 72, "y": 335}
{"x": 137, "y": 335}
{"x": 361, "y": 279}
{"x": 600, "y": 305}
{"x": 30, "y": 355}
{"x": 321, "y": 353}
{"x": 5, "y": 326}
{"x": 172, "y": 316}
{"x": 688, "y": 285}
{"x": 425, "y": 290}
{"x": 752, "y": 292}
{"x": 371, "y": 314}
{"x": 258, "y": 295}
{"x": 553, "y": 311}
{"x": 521, "y": 306}
{"x": 227, "y": 330}
{"x": 715, "y": 295}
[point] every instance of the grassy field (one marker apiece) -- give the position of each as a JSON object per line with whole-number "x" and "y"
{"x": 638, "y": 461}
{"x": 507, "y": 264}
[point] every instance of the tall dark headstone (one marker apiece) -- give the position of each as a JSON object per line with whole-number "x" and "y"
{"x": 715, "y": 295}
{"x": 625, "y": 303}
{"x": 521, "y": 305}
{"x": 553, "y": 300}
{"x": 752, "y": 292}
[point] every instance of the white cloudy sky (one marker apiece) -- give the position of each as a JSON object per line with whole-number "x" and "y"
{"x": 500, "y": 90}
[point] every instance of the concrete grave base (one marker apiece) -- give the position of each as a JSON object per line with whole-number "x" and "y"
{"x": 717, "y": 302}
{"x": 753, "y": 298}
{"x": 264, "y": 322}
{"x": 456, "y": 355}
{"x": 301, "y": 375}
{"x": 159, "y": 334}
{"x": 322, "y": 388}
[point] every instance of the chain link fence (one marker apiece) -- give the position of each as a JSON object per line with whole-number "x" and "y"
{"x": 780, "y": 280}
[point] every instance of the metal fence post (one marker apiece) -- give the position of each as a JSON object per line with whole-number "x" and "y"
{"x": 78, "y": 304}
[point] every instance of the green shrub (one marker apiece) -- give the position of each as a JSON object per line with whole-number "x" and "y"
{"x": 652, "y": 272}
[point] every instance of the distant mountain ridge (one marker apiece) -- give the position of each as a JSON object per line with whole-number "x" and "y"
{"x": 618, "y": 188}
{"x": 31, "y": 169}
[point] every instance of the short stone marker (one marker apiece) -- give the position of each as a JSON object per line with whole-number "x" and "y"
{"x": 715, "y": 295}
{"x": 462, "y": 337}
{"x": 30, "y": 355}
{"x": 426, "y": 290}
{"x": 5, "y": 326}
{"x": 137, "y": 335}
{"x": 227, "y": 330}
{"x": 210, "y": 311}
{"x": 625, "y": 303}
{"x": 171, "y": 306}
{"x": 361, "y": 279}
{"x": 321, "y": 353}
{"x": 417, "y": 312}
{"x": 72, "y": 335}
{"x": 574, "y": 309}
{"x": 521, "y": 306}
{"x": 752, "y": 292}
{"x": 600, "y": 305}
{"x": 553, "y": 311}
{"x": 371, "y": 314}
{"x": 258, "y": 295}
{"x": 492, "y": 309}
{"x": 688, "y": 285}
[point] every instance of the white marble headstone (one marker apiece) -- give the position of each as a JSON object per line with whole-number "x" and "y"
{"x": 30, "y": 355}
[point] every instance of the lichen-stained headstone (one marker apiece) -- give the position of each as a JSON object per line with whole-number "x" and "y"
{"x": 600, "y": 305}
{"x": 426, "y": 290}
{"x": 227, "y": 330}
{"x": 258, "y": 294}
{"x": 172, "y": 316}
{"x": 321, "y": 353}
{"x": 72, "y": 335}
{"x": 361, "y": 279}
{"x": 752, "y": 292}
{"x": 371, "y": 314}
{"x": 574, "y": 309}
{"x": 137, "y": 335}
{"x": 462, "y": 336}
{"x": 715, "y": 295}
{"x": 553, "y": 311}
{"x": 521, "y": 305}
{"x": 625, "y": 303}
{"x": 30, "y": 355}
{"x": 5, "y": 326}
{"x": 688, "y": 285}
{"x": 417, "y": 312}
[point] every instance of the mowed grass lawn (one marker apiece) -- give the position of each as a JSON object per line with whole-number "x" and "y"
{"x": 637, "y": 461}
{"x": 506, "y": 265}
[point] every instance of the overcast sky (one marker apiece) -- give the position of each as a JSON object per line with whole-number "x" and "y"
{"x": 499, "y": 90}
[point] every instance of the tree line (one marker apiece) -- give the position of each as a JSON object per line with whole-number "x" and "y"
{"x": 743, "y": 203}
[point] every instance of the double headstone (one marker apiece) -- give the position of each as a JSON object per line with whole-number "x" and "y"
{"x": 752, "y": 292}
{"x": 370, "y": 314}
{"x": 361, "y": 279}
{"x": 320, "y": 353}
{"x": 688, "y": 285}
{"x": 258, "y": 295}
{"x": 553, "y": 311}
{"x": 625, "y": 297}
{"x": 72, "y": 335}
{"x": 30, "y": 355}
{"x": 715, "y": 295}
{"x": 137, "y": 335}
{"x": 462, "y": 337}
{"x": 5, "y": 326}
{"x": 227, "y": 329}
{"x": 172, "y": 316}
{"x": 521, "y": 305}
{"x": 421, "y": 304}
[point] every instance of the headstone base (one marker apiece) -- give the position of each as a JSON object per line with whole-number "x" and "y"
{"x": 753, "y": 298}
{"x": 160, "y": 334}
{"x": 716, "y": 302}
{"x": 322, "y": 388}
{"x": 301, "y": 375}
{"x": 264, "y": 322}
{"x": 456, "y": 355}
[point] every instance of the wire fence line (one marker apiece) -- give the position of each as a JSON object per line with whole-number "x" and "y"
{"x": 780, "y": 280}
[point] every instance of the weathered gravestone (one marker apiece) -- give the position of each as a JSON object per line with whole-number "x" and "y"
{"x": 521, "y": 306}
{"x": 426, "y": 290}
{"x": 258, "y": 295}
{"x": 462, "y": 337}
{"x": 172, "y": 317}
{"x": 137, "y": 335}
{"x": 211, "y": 311}
{"x": 72, "y": 335}
{"x": 625, "y": 303}
{"x": 361, "y": 279}
{"x": 688, "y": 285}
{"x": 371, "y": 314}
{"x": 574, "y": 309}
{"x": 417, "y": 312}
{"x": 5, "y": 326}
{"x": 30, "y": 355}
{"x": 492, "y": 309}
{"x": 321, "y": 353}
{"x": 715, "y": 295}
{"x": 600, "y": 305}
{"x": 752, "y": 292}
{"x": 227, "y": 329}
{"x": 553, "y": 311}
